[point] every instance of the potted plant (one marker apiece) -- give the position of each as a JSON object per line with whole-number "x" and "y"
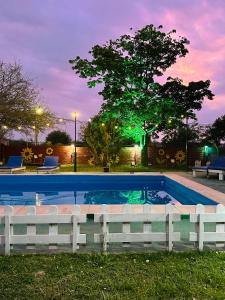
{"x": 106, "y": 168}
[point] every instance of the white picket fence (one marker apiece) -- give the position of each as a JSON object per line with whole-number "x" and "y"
{"x": 146, "y": 217}
{"x": 200, "y": 218}
{"x": 32, "y": 240}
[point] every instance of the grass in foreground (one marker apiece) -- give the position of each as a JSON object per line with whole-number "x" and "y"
{"x": 119, "y": 168}
{"x": 118, "y": 276}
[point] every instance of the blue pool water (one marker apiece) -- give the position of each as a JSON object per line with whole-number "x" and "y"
{"x": 95, "y": 189}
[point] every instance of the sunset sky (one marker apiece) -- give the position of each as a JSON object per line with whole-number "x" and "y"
{"x": 44, "y": 35}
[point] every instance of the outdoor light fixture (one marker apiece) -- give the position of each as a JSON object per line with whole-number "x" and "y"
{"x": 39, "y": 110}
{"x": 4, "y": 127}
{"x": 75, "y": 114}
{"x": 19, "y": 127}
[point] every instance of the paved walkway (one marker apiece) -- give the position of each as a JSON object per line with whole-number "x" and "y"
{"x": 212, "y": 182}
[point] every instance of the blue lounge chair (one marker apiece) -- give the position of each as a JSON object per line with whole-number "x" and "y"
{"x": 216, "y": 166}
{"x": 14, "y": 163}
{"x": 51, "y": 163}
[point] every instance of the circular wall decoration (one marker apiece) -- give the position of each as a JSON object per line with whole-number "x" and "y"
{"x": 180, "y": 155}
{"x": 49, "y": 151}
{"x": 161, "y": 152}
{"x": 27, "y": 154}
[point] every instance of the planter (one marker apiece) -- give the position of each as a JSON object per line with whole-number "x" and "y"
{"x": 105, "y": 169}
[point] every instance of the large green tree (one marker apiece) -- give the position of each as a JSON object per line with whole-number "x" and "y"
{"x": 128, "y": 69}
{"x": 19, "y": 103}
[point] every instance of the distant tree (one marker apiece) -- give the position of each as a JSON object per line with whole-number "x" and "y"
{"x": 104, "y": 140}
{"x": 216, "y": 132}
{"x": 195, "y": 134}
{"x": 19, "y": 100}
{"x": 58, "y": 137}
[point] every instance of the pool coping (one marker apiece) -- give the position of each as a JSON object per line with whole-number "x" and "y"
{"x": 208, "y": 192}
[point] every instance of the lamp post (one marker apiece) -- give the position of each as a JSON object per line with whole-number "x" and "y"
{"x": 38, "y": 111}
{"x": 186, "y": 143}
{"x": 75, "y": 142}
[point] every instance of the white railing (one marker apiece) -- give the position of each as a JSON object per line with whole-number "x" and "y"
{"x": 146, "y": 236}
{"x": 32, "y": 240}
{"x": 200, "y": 218}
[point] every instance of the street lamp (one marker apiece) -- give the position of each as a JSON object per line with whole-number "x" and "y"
{"x": 75, "y": 114}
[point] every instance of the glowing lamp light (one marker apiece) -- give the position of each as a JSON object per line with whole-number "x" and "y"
{"x": 19, "y": 127}
{"x": 170, "y": 121}
{"x": 39, "y": 110}
{"x": 103, "y": 124}
{"x": 75, "y": 114}
{"x": 48, "y": 124}
{"x": 61, "y": 120}
{"x": 116, "y": 127}
{"x": 4, "y": 127}
{"x": 33, "y": 127}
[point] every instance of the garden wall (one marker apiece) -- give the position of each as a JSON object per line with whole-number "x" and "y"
{"x": 174, "y": 155}
{"x": 36, "y": 154}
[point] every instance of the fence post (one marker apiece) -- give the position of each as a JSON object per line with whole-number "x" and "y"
{"x": 105, "y": 227}
{"x": 169, "y": 225}
{"x": 75, "y": 227}
{"x": 7, "y": 233}
{"x": 220, "y": 227}
{"x": 200, "y": 226}
{"x": 126, "y": 226}
{"x": 53, "y": 228}
{"x": 147, "y": 226}
{"x": 31, "y": 229}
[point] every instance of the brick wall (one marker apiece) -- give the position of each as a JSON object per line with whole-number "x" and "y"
{"x": 37, "y": 153}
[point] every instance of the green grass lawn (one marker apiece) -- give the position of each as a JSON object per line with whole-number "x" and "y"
{"x": 119, "y": 168}
{"x": 115, "y": 276}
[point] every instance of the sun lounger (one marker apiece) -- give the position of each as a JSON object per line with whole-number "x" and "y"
{"x": 216, "y": 166}
{"x": 14, "y": 163}
{"x": 51, "y": 163}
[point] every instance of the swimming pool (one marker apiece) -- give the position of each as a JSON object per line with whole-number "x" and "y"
{"x": 96, "y": 189}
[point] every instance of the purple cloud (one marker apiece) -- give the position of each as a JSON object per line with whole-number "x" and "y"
{"x": 43, "y": 37}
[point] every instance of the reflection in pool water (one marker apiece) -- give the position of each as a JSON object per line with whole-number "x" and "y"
{"x": 87, "y": 197}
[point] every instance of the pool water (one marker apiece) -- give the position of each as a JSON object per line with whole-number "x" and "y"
{"x": 95, "y": 189}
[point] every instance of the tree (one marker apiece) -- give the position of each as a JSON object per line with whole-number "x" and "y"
{"x": 58, "y": 137}
{"x": 104, "y": 140}
{"x": 216, "y": 132}
{"x": 128, "y": 68}
{"x": 19, "y": 101}
{"x": 187, "y": 98}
